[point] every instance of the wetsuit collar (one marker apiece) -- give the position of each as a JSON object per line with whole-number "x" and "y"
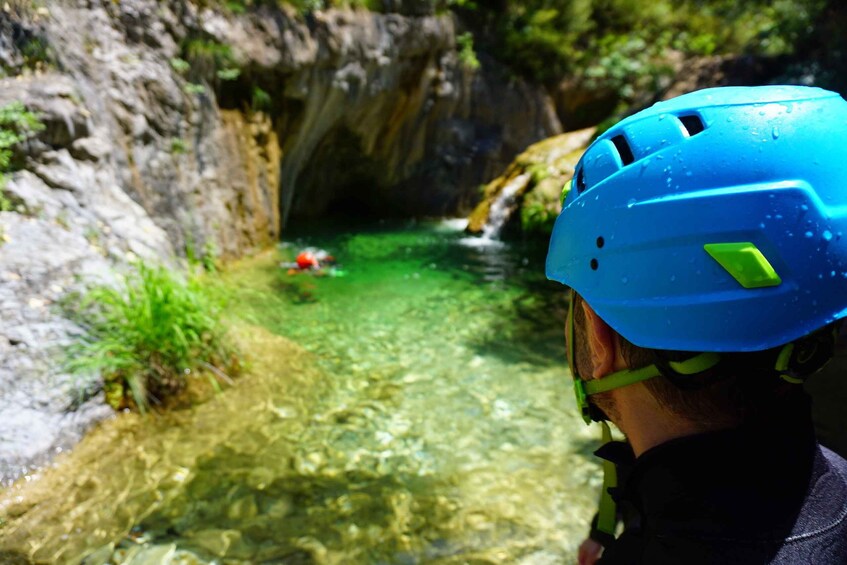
{"x": 750, "y": 480}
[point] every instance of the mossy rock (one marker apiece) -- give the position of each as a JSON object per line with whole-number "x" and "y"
{"x": 547, "y": 166}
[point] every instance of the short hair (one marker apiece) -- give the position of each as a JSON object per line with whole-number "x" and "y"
{"x": 718, "y": 398}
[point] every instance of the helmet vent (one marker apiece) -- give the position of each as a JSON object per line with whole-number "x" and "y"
{"x": 692, "y": 124}
{"x": 623, "y": 149}
{"x": 580, "y": 180}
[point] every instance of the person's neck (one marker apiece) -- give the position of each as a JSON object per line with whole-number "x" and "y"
{"x": 646, "y": 424}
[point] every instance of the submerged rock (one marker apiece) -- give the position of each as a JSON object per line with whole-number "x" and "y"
{"x": 531, "y": 186}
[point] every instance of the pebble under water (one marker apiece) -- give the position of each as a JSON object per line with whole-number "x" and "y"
{"x": 425, "y": 417}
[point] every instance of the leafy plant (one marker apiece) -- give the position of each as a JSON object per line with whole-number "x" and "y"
{"x": 229, "y": 73}
{"x": 467, "y": 56}
{"x": 17, "y": 124}
{"x": 194, "y": 88}
{"x": 144, "y": 337}
{"x": 178, "y": 146}
{"x": 625, "y": 45}
{"x": 180, "y": 65}
{"x": 6, "y": 204}
{"x": 36, "y": 52}
{"x": 260, "y": 100}
{"x": 210, "y": 256}
{"x": 235, "y": 7}
{"x": 209, "y": 59}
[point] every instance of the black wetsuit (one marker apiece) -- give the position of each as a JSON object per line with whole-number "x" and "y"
{"x": 764, "y": 493}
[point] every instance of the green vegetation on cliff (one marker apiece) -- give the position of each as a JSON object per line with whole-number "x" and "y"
{"x": 145, "y": 337}
{"x": 17, "y": 124}
{"x": 623, "y": 44}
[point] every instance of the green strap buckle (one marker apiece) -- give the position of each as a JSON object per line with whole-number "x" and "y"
{"x": 607, "y": 515}
{"x": 582, "y": 399}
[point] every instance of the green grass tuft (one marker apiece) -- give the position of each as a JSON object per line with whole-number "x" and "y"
{"x": 145, "y": 337}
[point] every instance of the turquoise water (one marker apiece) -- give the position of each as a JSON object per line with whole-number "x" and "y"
{"x": 431, "y": 422}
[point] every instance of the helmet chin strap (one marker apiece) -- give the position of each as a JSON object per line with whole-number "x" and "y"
{"x": 583, "y": 389}
{"x": 607, "y": 513}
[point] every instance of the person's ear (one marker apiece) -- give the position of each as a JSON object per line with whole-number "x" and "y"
{"x": 601, "y": 343}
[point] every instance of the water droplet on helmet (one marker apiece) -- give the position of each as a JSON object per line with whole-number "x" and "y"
{"x": 673, "y": 278}
{"x": 827, "y": 235}
{"x": 630, "y": 203}
{"x": 809, "y": 234}
{"x": 624, "y": 280}
{"x": 832, "y": 273}
{"x": 762, "y": 225}
{"x": 775, "y": 132}
{"x": 804, "y": 207}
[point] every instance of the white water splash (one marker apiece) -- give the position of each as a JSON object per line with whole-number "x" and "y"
{"x": 503, "y": 207}
{"x": 453, "y": 224}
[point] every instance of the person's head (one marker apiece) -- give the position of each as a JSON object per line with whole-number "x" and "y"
{"x": 706, "y": 241}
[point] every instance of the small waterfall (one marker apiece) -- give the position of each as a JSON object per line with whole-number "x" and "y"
{"x": 503, "y": 206}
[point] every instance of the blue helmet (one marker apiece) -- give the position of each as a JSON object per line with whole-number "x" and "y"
{"x": 716, "y": 221}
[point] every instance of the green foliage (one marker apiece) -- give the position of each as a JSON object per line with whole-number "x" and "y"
{"x": 181, "y": 66}
{"x": 6, "y": 204}
{"x": 229, "y": 73}
{"x": 145, "y": 337}
{"x": 178, "y": 146}
{"x": 235, "y": 7}
{"x": 467, "y": 56}
{"x": 206, "y": 259}
{"x": 538, "y": 172}
{"x": 535, "y": 218}
{"x": 194, "y": 89}
{"x": 36, "y": 52}
{"x": 17, "y": 124}
{"x": 260, "y": 100}
{"x": 210, "y": 258}
{"x": 624, "y": 44}
{"x": 209, "y": 60}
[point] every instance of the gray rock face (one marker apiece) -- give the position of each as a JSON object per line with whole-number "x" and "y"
{"x": 141, "y": 159}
